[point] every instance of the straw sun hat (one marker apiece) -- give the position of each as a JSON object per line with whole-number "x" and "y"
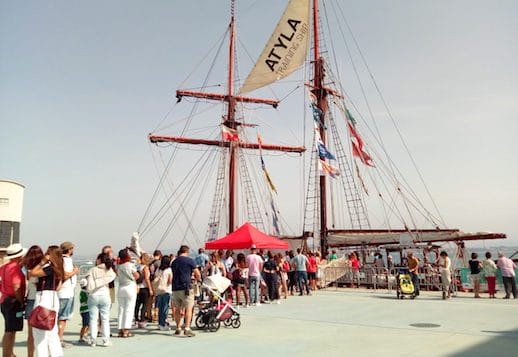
{"x": 15, "y": 251}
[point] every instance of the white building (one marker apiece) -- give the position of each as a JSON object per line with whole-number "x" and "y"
{"x": 11, "y": 204}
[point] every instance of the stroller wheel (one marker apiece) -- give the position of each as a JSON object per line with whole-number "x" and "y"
{"x": 227, "y": 322}
{"x": 236, "y": 323}
{"x": 199, "y": 322}
{"x": 214, "y": 325}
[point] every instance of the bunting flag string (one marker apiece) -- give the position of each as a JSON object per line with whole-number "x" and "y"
{"x": 263, "y": 166}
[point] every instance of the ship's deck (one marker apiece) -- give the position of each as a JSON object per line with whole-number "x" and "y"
{"x": 335, "y": 323}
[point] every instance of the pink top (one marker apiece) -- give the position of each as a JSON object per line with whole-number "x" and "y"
{"x": 507, "y": 266}
{"x": 255, "y": 264}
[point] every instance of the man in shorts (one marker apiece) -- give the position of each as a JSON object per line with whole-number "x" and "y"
{"x": 66, "y": 293}
{"x": 12, "y": 291}
{"x": 183, "y": 268}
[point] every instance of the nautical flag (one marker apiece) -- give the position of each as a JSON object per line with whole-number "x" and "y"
{"x": 323, "y": 152}
{"x": 263, "y": 166}
{"x": 275, "y": 218}
{"x": 350, "y": 116}
{"x": 228, "y": 133}
{"x": 317, "y": 115}
{"x": 357, "y": 144}
{"x": 327, "y": 169}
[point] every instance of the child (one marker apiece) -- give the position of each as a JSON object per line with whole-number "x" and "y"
{"x": 83, "y": 309}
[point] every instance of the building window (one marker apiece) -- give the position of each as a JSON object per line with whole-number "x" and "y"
{"x": 4, "y": 201}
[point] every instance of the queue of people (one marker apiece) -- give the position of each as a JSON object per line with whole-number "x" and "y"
{"x": 149, "y": 286}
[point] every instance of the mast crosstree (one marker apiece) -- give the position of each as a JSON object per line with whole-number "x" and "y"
{"x": 229, "y": 120}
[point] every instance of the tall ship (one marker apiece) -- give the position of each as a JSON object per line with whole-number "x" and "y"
{"x": 286, "y": 147}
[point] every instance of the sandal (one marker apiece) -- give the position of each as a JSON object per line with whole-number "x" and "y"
{"x": 129, "y": 334}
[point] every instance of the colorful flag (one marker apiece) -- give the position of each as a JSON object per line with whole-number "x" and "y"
{"x": 275, "y": 218}
{"x": 323, "y": 152}
{"x": 327, "y": 169}
{"x": 263, "y": 166}
{"x": 228, "y": 133}
{"x": 357, "y": 144}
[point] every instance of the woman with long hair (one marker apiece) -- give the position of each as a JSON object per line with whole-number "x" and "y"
{"x": 163, "y": 290}
{"x": 127, "y": 293}
{"x": 50, "y": 275}
{"x": 99, "y": 301}
{"x": 144, "y": 292}
{"x": 240, "y": 278}
{"x": 283, "y": 268}
{"x": 214, "y": 266}
{"x": 31, "y": 260}
{"x": 475, "y": 267}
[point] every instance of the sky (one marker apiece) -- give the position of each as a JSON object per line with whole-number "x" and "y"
{"x": 83, "y": 83}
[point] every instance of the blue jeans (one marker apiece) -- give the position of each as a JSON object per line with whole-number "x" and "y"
{"x": 99, "y": 304}
{"x": 415, "y": 281}
{"x": 302, "y": 278}
{"x": 254, "y": 284}
{"x": 162, "y": 301}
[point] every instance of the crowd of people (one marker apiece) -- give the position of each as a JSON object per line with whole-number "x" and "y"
{"x": 486, "y": 268}
{"x": 148, "y": 288}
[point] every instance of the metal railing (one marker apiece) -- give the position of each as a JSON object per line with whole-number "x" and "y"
{"x": 373, "y": 277}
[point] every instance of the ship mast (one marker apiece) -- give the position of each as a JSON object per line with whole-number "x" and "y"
{"x": 231, "y": 123}
{"x": 320, "y": 93}
{"x": 231, "y": 101}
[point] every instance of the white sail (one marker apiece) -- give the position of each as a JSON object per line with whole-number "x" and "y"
{"x": 285, "y": 51}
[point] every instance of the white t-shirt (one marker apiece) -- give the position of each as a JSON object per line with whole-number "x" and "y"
{"x": 68, "y": 286}
{"x": 164, "y": 276}
{"x": 445, "y": 264}
{"x": 125, "y": 273}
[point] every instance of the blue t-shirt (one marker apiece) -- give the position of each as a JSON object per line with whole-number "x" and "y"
{"x": 201, "y": 259}
{"x": 182, "y": 268}
{"x": 300, "y": 262}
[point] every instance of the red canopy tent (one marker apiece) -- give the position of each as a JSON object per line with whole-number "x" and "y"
{"x": 246, "y": 236}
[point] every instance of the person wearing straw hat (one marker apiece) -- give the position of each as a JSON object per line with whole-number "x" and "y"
{"x": 12, "y": 288}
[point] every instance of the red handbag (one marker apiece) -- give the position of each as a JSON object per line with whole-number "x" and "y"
{"x": 43, "y": 318}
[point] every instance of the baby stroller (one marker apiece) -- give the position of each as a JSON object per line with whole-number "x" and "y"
{"x": 217, "y": 310}
{"x": 405, "y": 287}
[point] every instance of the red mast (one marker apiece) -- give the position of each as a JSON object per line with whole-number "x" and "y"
{"x": 230, "y": 121}
{"x": 320, "y": 93}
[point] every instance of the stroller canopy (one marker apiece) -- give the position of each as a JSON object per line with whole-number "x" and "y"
{"x": 245, "y": 237}
{"x": 216, "y": 282}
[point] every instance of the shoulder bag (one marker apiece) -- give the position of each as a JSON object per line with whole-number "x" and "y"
{"x": 43, "y": 318}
